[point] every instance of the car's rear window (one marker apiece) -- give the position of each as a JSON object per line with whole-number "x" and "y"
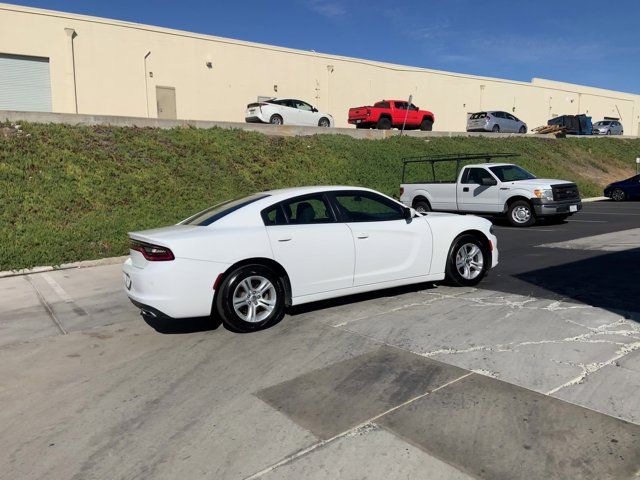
{"x": 210, "y": 215}
{"x": 476, "y": 116}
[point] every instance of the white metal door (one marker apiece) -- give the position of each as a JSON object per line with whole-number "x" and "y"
{"x": 25, "y": 84}
{"x": 317, "y": 257}
{"x": 391, "y": 250}
{"x": 473, "y": 196}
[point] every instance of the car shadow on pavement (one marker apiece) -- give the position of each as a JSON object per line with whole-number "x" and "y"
{"x": 610, "y": 281}
{"x": 173, "y": 326}
{"x": 359, "y": 297}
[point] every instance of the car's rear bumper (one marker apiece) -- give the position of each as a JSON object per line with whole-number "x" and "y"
{"x": 254, "y": 120}
{"x": 180, "y": 288}
{"x": 544, "y": 208}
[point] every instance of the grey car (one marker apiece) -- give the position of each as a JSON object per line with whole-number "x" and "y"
{"x": 495, "y": 121}
{"x": 608, "y": 127}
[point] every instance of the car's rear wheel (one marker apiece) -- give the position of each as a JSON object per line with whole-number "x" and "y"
{"x": 422, "y": 206}
{"x": 496, "y": 128}
{"x": 251, "y": 298}
{"x": 383, "y": 124}
{"x": 468, "y": 261}
{"x": 324, "y": 122}
{"x": 520, "y": 214}
{"x": 276, "y": 120}
{"x": 618, "y": 195}
{"x": 426, "y": 125}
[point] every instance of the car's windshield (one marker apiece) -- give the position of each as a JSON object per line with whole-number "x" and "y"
{"x": 511, "y": 173}
{"x": 210, "y": 215}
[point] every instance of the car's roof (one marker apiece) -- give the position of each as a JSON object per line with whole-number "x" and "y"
{"x": 295, "y": 191}
{"x": 490, "y": 164}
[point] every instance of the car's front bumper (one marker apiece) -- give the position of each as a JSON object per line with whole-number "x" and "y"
{"x": 544, "y": 208}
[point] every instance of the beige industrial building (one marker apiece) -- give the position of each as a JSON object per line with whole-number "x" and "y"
{"x": 60, "y": 62}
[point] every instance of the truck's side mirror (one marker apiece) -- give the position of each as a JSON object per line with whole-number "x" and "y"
{"x": 488, "y": 181}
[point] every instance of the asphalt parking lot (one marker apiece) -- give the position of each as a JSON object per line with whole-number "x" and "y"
{"x": 535, "y": 374}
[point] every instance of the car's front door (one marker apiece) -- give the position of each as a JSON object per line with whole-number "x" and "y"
{"x": 316, "y": 251}
{"x": 388, "y": 247}
{"x": 305, "y": 113}
{"x": 475, "y": 194}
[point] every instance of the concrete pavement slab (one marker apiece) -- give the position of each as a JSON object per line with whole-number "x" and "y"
{"x": 369, "y": 453}
{"x": 606, "y": 242}
{"x": 340, "y": 396}
{"x": 495, "y": 430}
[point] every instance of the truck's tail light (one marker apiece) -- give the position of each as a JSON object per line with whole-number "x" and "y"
{"x": 368, "y": 112}
{"x": 153, "y": 253}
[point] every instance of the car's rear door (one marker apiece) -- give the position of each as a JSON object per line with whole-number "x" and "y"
{"x": 316, "y": 251}
{"x": 387, "y": 246}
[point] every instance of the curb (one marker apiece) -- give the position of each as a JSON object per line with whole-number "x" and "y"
{"x": 595, "y": 199}
{"x": 64, "y": 266}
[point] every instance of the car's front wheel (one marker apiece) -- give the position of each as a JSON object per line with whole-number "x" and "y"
{"x": 618, "y": 195}
{"x": 468, "y": 261}
{"x": 324, "y": 122}
{"x": 250, "y": 298}
{"x": 520, "y": 214}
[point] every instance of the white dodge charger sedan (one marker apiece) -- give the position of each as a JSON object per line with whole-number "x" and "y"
{"x": 246, "y": 260}
{"x": 287, "y": 111}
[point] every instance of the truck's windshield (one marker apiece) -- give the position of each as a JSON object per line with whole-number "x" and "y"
{"x": 511, "y": 173}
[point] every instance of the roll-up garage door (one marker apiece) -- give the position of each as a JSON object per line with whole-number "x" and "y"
{"x": 24, "y": 83}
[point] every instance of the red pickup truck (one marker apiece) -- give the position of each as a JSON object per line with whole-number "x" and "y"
{"x": 388, "y": 114}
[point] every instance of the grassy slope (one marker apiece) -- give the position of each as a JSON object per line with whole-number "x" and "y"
{"x": 72, "y": 193}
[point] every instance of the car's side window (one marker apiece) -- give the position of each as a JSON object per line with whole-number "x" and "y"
{"x": 361, "y": 206}
{"x": 304, "y": 210}
{"x": 303, "y": 106}
{"x": 511, "y": 117}
{"x": 474, "y": 176}
{"x": 401, "y": 105}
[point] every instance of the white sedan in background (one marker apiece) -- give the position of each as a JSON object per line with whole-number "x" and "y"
{"x": 245, "y": 260}
{"x": 287, "y": 111}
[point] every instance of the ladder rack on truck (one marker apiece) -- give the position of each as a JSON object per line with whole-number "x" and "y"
{"x": 457, "y": 157}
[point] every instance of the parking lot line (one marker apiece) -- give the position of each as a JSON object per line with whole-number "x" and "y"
{"x": 589, "y": 221}
{"x": 46, "y": 305}
{"x": 609, "y": 213}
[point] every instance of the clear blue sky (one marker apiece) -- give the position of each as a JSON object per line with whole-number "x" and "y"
{"x": 579, "y": 41}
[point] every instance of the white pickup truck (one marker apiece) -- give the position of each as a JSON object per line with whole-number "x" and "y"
{"x": 490, "y": 189}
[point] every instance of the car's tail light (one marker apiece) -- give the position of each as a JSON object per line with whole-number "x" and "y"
{"x": 487, "y": 118}
{"x": 401, "y": 191}
{"x": 153, "y": 253}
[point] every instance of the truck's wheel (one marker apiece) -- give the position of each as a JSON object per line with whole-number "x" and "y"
{"x": 520, "y": 214}
{"x": 361, "y": 125}
{"x": 468, "y": 261}
{"x": 426, "y": 125}
{"x": 383, "y": 124}
{"x": 422, "y": 206}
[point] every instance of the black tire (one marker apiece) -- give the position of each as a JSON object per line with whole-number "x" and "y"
{"x": 383, "y": 124}
{"x": 426, "y": 125}
{"x": 276, "y": 120}
{"x": 324, "y": 122}
{"x": 520, "y": 214}
{"x": 608, "y": 132}
{"x": 496, "y": 129}
{"x": 523, "y": 129}
{"x": 453, "y": 276}
{"x": 618, "y": 195}
{"x": 233, "y": 285}
{"x": 422, "y": 206}
{"x": 361, "y": 125}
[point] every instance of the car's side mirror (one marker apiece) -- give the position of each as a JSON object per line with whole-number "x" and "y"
{"x": 314, "y": 110}
{"x": 407, "y": 213}
{"x": 488, "y": 182}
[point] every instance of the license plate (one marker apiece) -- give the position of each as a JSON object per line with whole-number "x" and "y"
{"x": 573, "y": 208}
{"x": 252, "y": 110}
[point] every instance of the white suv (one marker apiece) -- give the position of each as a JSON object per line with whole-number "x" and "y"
{"x": 287, "y": 111}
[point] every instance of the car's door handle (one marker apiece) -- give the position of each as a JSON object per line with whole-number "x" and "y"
{"x": 362, "y": 235}
{"x": 285, "y": 238}
{"x": 465, "y": 189}
{"x": 504, "y": 188}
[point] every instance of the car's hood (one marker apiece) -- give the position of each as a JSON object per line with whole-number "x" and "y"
{"x": 537, "y": 182}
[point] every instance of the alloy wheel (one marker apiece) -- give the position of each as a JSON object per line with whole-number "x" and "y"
{"x": 254, "y": 299}
{"x": 469, "y": 261}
